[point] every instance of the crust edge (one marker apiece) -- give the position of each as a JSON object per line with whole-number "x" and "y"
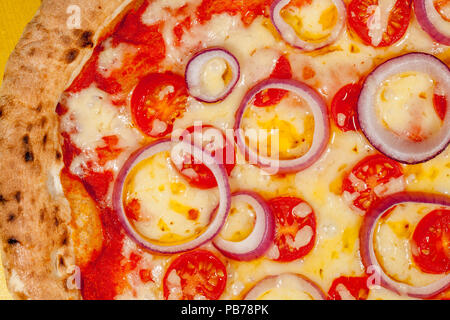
{"x": 37, "y": 252}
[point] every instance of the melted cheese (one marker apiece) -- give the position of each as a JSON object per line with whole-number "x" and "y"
{"x": 111, "y": 58}
{"x": 240, "y": 221}
{"x": 313, "y": 21}
{"x": 213, "y": 76}
{"x": 405, "y": 105}
{"x": 92, "y": 116}
{"x": 286, "y": 129}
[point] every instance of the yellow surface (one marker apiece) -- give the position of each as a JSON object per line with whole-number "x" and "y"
{"x": 14, "y": 15}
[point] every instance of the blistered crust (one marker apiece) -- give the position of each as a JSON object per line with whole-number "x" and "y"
{"x": 35, "y": 217}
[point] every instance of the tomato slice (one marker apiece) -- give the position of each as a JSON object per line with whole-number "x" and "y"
{"x": 272, "y": 97}
{"x": 440, "y": 105}
{"x": 366, "y": 178}
{"x": 344, "y": 107}
{"x": 195, "y": 273}
{"x": 364, "y": 13}
{"x": 295, "y": 233}
{"x": 431, "y": 242}
{"x": 222, "y": 150}
{"x": 158, "y": 100}
{"x": 355, "y": 286}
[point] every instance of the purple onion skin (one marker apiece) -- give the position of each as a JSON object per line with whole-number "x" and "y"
{"x": 378, "y": 209}
{"x": 427, "y": 25}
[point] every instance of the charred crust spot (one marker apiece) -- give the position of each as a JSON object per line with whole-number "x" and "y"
{"x": 86, "y": 39}
{"x": 64, "y": 241}
{"x": 44, "y": 121}
{"x": 29, "y": 156}
{"x": 1, "y": 113}
{"x": 57, "y": 222}
{"x": 42, "y": 215}
{"x": 31, "y": 52}
{"x": 44, "y": 139}
{"x": 39, "y": 107}
{"x": 11, "y": 217}
{"x": 26, "y": 140}
{"x": 71, "y": 55}
{"x": 13, "y": 241}
{"x": 61, "y": 262}
{"x": 18, "y": 196}
{"x": 2, "y": 199}
{"x": 58, "y": 155}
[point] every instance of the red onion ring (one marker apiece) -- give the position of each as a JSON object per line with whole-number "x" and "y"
{"x": 194, "y": 71}
{"x": 386, "y": 141}
{"x": 368, "y": 254}
{"x": 220, "y": 213}
{"x": 321, "y": 130}
{"x": 428, "y": 18}
{"x": 302, "y": 282}
{"x": 259, "y": 240}
{"x": 289, "y": 35}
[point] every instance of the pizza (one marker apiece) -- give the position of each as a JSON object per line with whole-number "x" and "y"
{"x": 220, "y": 149}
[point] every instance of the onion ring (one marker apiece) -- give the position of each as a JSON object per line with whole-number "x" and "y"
{"x": 220, "y": 213}
{"x": 259, "y": 240}
{"x": 386, "y": 141}
{"x": 368, "y": 255}
{"x": 301, "y": 283}
{"x": 431, "y": 21}
{"x": 194, "y": 71}
{"x": 321, "y": 130}
{"x": 289, "y": 35}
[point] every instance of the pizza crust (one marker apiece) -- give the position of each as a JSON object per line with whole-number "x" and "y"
{"x": 37, "y": 252}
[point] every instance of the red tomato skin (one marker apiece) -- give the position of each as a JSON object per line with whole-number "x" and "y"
{"x": 146, "y": 106}
{"x": 345, "y": 102}
{"x": 200, "y": 258}
{"x": 394, "y": 170}
{"x": 206, "y": 179}
{"x": 431, "y": 242}
{"x": 249, "y": 9}
{"x": 272, "y": 97}
{"x": 440, "y": 105}
{"x": 358, "y": 16}
{"x": 288, "y": 223}
{"x": 357, "y": 286}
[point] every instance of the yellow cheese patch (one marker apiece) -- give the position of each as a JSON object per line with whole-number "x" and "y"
{"x": 405, "y": 105}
